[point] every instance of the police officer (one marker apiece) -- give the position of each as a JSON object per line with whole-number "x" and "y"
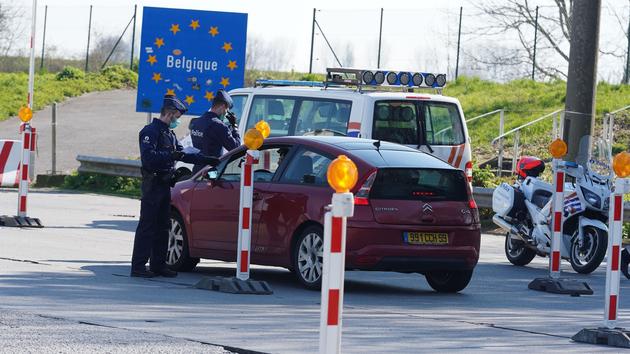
{"x": 210, "y": 134}
{"x": 159, "y": 149}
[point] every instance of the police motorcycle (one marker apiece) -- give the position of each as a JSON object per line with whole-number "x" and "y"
{"x": 524, "y": 211}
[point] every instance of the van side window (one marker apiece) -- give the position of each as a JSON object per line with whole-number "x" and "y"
{"x": 443, "y": 125}
{"x": 239, "y": 105}
{"x": 323, "y": 115}
{"x": 276, "y": 111}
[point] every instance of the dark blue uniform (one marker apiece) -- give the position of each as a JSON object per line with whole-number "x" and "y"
{"x": 209, "y": 134}
{"x": 157, "y": 144}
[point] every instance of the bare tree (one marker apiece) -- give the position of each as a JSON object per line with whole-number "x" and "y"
{"x": 10, "y": 27}
{"x": 103, "y": 45}
{"x": 348, "y": 55}
{"x": 554, "y": 34}
{"x": 267, "y": 55}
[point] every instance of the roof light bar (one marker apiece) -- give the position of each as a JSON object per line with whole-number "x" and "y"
{"x": 360, "y": 77}
{"x": 264, "y": 83}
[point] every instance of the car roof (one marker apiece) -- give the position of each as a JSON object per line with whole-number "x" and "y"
{"x": 336, "y": 92}
{"x": 366, "y": 150}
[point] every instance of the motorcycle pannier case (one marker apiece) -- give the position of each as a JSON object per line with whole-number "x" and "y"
{"x": 506, "y": 200}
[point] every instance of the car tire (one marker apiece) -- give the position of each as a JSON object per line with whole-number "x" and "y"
{"x": 449, "y": 281}
{"x": 177, "y": 254}
{"x": 308, "y": 257}
{"x": 517, "y": 253}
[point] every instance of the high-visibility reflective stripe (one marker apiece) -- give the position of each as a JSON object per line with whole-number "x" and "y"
{"x": 335, "y": 245}
{"x": 246, "y": 218}
{"x": 333, "y": 307}
{"x": 557, "y": 221}
{"x": 560, "y": 186}
{"x": 248, "y": 175}
{"x": 555, "y": 265}
{"x": 459, "y": 156}
{"x": 618, "y": 206}
{"x": 452, "y": 155}
{"x": 244, "y": 261}
{"x": 612, "y": 308}
{"x": 615, "y": 258}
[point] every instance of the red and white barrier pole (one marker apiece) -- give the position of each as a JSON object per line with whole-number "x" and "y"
{"x": 615, "y": 222}
{"x": 557, "y": 219}
{"x": 342, "y": 175}
{"x": 245, "y": 215}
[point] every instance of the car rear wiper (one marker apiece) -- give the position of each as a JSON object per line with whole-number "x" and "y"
{"x": 423, "y": 138}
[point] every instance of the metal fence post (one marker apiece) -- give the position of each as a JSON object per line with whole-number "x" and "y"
{"x": 133, "y": 36}
{"x": 54, "y": 138}
{"x": 380, "y": 38}
{"x": 459, "y": 37}
{"x": 535, "y": 41}
{"x": 517, "y": 138}
{"x": 310, "y": 63}
{"x": 41, "y": 62}
{"x": 87, "y": 51}
{"x": 501, "y": 128}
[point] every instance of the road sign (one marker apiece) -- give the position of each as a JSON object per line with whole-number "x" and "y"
{"x": 190, "y": 54}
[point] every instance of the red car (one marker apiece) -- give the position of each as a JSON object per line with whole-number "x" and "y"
{"x": 413, "y": 212}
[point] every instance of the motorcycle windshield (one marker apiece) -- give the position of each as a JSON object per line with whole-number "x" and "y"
{"x": 599, "y": 162}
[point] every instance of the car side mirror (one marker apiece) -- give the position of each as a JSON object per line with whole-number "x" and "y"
{"x": 212, "y": 174}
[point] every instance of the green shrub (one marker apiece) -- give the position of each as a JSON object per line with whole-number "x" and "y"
{"x": 311, "y": 77}
{"x": 95, "y": 182}
{"x": 618, "y": 147}
{"x": 70, "y": 73}
{"x": 484, "y": 177}
{"x": 120, "y": 76}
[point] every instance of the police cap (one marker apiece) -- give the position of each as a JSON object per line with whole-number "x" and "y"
{"x": 173, "y": 102}
{"x": 223, "y": 97}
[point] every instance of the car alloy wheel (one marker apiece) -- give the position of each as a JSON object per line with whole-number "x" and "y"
{"x": 309, "y": 257}
{"x": 175, "y": 242}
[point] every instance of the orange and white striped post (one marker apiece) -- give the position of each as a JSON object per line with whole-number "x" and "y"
{"x": 342, "y": 176}
{"x": 253, "y": 139}
{"x": 615, "y": 222}
{"x": 558, "y": 149}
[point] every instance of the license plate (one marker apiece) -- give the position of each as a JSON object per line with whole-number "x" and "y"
{"x": 426, "y": 238}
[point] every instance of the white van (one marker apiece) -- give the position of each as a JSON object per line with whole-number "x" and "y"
{"x": 379, "y": 105}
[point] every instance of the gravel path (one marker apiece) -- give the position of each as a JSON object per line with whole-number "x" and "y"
{"x": 99, "y": 124}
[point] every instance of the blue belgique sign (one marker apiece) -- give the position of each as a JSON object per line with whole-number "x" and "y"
{"x": 190, "y": 54}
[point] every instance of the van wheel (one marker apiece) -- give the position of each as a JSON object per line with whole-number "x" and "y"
{"x": 177, "y": 256}
{"x": 308, "y": 257}
{"x": 516, "y": 251}
{"x": 449, "y": 281}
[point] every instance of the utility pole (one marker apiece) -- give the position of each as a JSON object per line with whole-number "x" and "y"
{"x": 310, "y": 63}
{"x": 87, "y": 51}
{"x": 582, "y": 79}
{"x": 133, "y": 36}
{"x": 535, "y": 42}
{"x": 627, "y": 75}
{"x": 380, "y": 38}
{"x": 41, "y": 63}
{"x": 459, "y": 37}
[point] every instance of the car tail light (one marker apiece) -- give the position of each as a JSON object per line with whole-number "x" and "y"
{"x": 361, "y": 197}
{"x": 474, "y": 210}
{"x": 468, "y": 170}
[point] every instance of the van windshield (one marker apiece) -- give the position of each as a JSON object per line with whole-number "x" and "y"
{"x": 415, "y": 123}
{"x": 300, "y": 115}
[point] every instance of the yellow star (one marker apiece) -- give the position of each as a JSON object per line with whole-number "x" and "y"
{"x": 194, "y": 24}
{"x": 159, "y": 42}
{"x": 170, "y": 92}
{"x": 232, "y": 65}
{"x": 156, "y": 77}
{"x": 227, "y": 46}
{"x": 152, "y": 60}
{"x": 214, "y": 31}
{"x": 175, "y": 28}
{"x": 225, "y": 81}
{"x": 209, "y": 96}
{"x": 190, "y": 100}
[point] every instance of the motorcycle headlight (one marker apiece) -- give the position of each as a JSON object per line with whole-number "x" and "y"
{"x": 592, "y": 198}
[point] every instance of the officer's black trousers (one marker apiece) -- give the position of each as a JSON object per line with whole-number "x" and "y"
{"x": 151, "y": 239}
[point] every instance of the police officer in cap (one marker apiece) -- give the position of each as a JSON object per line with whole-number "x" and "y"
{"x": 210, "y": 134}
{"x": 159, "y": 149}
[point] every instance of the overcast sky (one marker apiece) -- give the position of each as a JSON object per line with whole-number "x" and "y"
{"x": 417, "y": 35}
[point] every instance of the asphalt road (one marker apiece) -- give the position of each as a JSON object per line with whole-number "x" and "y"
{"x": 98, "y": 124}
{"x": 74, "y": 274}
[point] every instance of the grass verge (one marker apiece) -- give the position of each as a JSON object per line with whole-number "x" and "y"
{"x": 103, "y": 184}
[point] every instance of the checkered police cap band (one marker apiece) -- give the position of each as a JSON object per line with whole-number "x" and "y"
{"x": 171, "y": 101}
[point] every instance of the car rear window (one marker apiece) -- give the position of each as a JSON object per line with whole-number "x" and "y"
{"x": 419, "y": 184}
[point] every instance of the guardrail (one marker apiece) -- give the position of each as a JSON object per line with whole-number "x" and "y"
{"x": 109, "y": 166}
{"x": 131, "y": 168}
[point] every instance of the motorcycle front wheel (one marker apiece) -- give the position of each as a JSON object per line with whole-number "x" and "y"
{"x": 587, "y": 253}
{"x": 517, "y": 252}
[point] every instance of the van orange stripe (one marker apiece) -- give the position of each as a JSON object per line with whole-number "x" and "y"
{"x": 460, "y": 155}
{"x": 354, "y": 125}
{"x": 450, "y": 158}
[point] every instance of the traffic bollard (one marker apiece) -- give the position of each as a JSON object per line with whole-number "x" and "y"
{"x": 342, "y": 176}
{"x": 558, "y": 205}
{"x": 609, "y": 333}
{"x": 245, "y": 215}
{"x": 622, "y": 186}
{"x": 24, "y": 176}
